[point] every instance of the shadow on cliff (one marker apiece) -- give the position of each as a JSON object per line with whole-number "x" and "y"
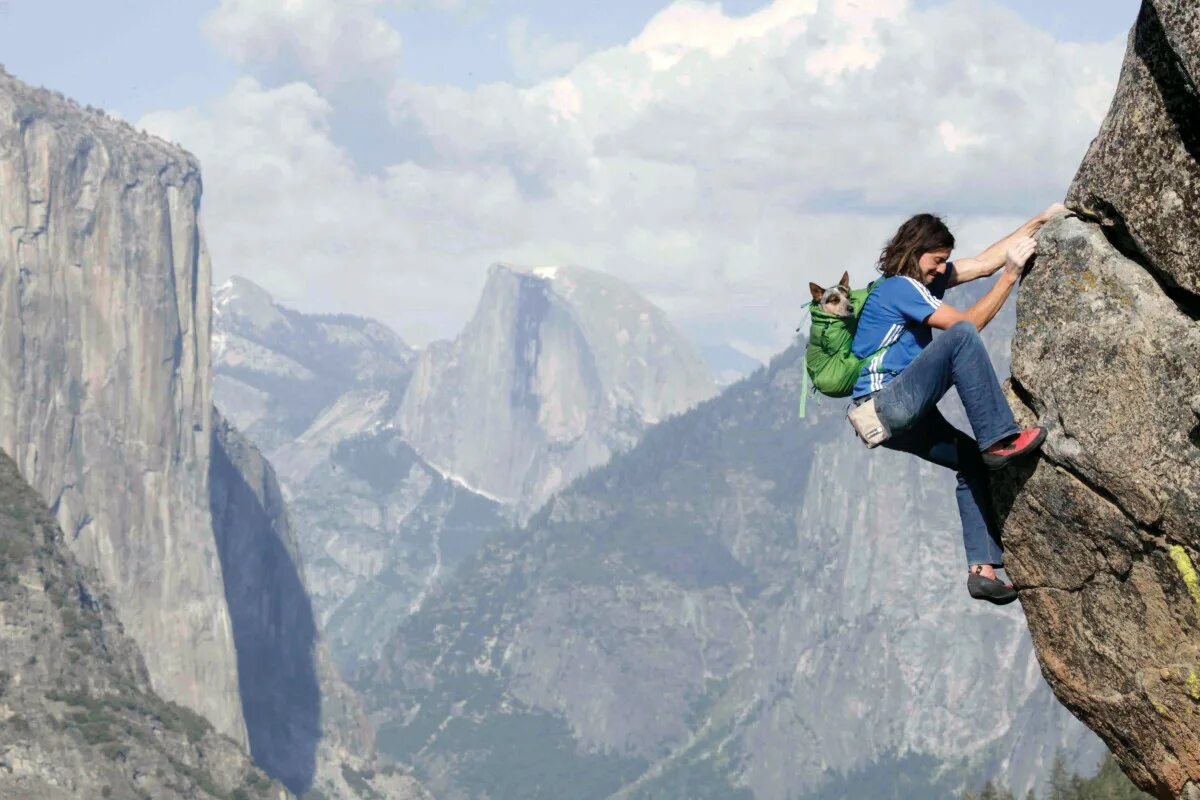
{"x": 273, "y": 626}
{"x": 1153, "y": 47}
{"x": 1007, "y": 485}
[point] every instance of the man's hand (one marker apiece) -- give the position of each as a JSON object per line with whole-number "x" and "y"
{"x": 1018, "y": 255}
{"x": 1053, "y": 211}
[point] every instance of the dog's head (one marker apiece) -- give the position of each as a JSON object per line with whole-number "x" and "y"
{"x": 836, "y": 299}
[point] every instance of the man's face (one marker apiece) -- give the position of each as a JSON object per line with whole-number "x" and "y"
{"x": 933, "y": 264}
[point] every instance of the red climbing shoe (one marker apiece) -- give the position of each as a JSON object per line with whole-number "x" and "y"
{"x": 1024, "y": 442}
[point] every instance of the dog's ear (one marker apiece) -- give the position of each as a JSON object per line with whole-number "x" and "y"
{"x": 817, "y": 292}
{"x": 845, "y": 281}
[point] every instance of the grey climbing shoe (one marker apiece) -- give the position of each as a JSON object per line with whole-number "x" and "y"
{"x": 989, "y": 589}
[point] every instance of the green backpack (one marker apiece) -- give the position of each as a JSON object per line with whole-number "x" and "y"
{"x": 829, "y": 364}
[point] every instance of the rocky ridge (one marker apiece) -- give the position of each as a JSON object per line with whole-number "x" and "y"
{"x": 276, "y": 371}
{"x": 1104, "y": 530}
{"x": 331, "y": 402}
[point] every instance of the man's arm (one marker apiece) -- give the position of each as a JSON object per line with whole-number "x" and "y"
{"x": 991, "y": 259}
{"x": 990, "y": 304}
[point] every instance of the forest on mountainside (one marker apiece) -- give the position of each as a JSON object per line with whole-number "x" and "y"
{"x": 1107, "y": 784}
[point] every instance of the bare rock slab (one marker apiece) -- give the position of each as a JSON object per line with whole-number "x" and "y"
{"x": 1103, "y": 531}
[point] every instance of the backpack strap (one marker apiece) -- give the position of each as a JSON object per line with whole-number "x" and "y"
{"x": 881, "y": 353}
{"x": 803, "y": 389}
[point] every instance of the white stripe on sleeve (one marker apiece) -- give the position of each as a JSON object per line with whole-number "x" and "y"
{"x": 925, "y": 295}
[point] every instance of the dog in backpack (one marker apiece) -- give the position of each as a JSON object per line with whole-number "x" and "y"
{"x": 836, "y": 299}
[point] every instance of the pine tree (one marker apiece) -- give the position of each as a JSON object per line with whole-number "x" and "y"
{"x": 990, "y": 791}
{"x": 1060, "y": 780}
{"x": 1109, "y": 783}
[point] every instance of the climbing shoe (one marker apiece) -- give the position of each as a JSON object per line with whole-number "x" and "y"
{"x": 990, "y": 589}
{"x": 1024, "y": 442}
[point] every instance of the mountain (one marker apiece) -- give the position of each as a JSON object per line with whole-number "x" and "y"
{"x": 105, "y": 389}
{"x": 1104, "y": 527}
{"x": 729, "y": 364}
{"x": 276, "y": 370}
{"x": 380, "y": 528}
{"x": 378, "y": 520}
{"x": 558, "y": 369}
{"x": 374, "y": 524}
{"x": 78, "y": 717}
{"x": 106, "y": 407}
{"x": 745, "y": 604}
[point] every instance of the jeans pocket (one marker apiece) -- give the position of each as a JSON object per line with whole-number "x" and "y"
{"x": 892, "y": 410}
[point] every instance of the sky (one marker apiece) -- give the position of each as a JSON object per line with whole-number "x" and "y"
{"x": 376, "y": 156}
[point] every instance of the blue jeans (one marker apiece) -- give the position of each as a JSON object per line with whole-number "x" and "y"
{"x": 908, "y": 406}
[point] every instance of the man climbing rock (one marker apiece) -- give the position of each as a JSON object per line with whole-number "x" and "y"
{"x": 907, "y": 370}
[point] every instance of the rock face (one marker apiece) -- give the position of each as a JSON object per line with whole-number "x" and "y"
{"x": 714, "y": 614}
{"x": 1104, "y": 531}
{"x": 1141, "y": 176}
{"x": 272, "y": 617}
{"x": 305, "y": 726}
{"x": 105, "y": 397}
{"x": 77, "y": 715}
{"x": 558, "y": 369}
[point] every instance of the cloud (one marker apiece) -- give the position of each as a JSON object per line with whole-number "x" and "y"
{"x": 331, "y": 43}
{"x": 716, "y": 163}
{"x": 535, "y": 58}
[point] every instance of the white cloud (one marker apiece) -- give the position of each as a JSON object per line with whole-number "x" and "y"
{"x": 329, "y": 42}
{"x": 689, "y": 26}
{"x": 852, "y": 36}
{"x": 955, "y": 137}
{"x": 716, "y": 163}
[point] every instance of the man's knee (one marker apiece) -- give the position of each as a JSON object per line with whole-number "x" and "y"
{"x": 964, "y": 331}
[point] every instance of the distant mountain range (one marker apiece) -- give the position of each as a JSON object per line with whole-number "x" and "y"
{"x": 399, "y": 464}
{"x": 746, "y": 604}
{"x": 728, "y": 364}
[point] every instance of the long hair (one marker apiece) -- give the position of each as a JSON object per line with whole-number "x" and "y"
{"x": 918, "y": 235}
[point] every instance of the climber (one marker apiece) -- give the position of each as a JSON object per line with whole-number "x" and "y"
{"x": 908, "y": 370}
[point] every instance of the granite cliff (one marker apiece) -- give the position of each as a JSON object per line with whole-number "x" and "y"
{"x": 106, "y": 406}
{"x": 558, "y": 369}
{"x": 305, "y": 725}
{"x": 105, "y": 387}
{"x": 1104, "y": 530}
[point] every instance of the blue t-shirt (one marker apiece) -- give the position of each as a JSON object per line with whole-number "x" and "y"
{"x": 893, "y": 317}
